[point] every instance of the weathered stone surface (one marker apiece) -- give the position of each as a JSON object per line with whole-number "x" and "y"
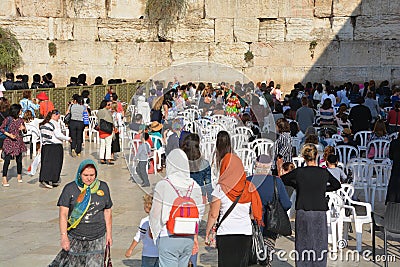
{"x": 189, "y": 52}
{"x": 86, "y": 9}
{"x": 192, "y": 30}
{"x": 127, "y": 9}
{"x": 266, "y": 54}
{"x": 382, "y": 27}
{"x": 242, "y": 8}
{"x": 195, "y": 9}
{"x": 224, "y": 30}
{"x": 27, "y": 28}
{"x": 135, "y": 30}
{"x": 245, "y": 29}
{"x": 146, "y": 55}
{"x": 344, "y": 8}
{"x": 296, "y": 9}
{"x": 271, "y": 30}
{"x": 61, "y": 29}
{"x": 85, "y": 29}
{"x": 308, "y": 29}
{"x": 390, "y": 53}
{"x": 342, "y": 27}
{"x": 323, "y": 8}
{"x": 360, "y": 53}
{"x": 325, "y": 54}
{"x": 37, "y": 8}
{"x": 229, "y": 54}
{"x": 379, "y": 7}
{"x": 7, "y": 8}
{"x": 32, "y": 48}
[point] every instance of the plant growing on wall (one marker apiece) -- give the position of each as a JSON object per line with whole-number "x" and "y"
{"x": 163, "y": 13}
{"x": 52, "y": 49}
{"x": 248, "y": 56}
{"x": 9, "y": 51}
{"x": 313, "y": 44}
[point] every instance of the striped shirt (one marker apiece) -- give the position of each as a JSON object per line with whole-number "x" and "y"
{"x": 283, "y": 148}
{"x": 51, "y": 133}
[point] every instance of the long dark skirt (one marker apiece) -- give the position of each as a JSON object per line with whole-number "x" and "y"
{"x": 115, "y": 147}
{"x": 52, "y": 157}
{"x": 81, "y": 254}
{"x": 233, "y": 250}
{"x": 311, "y": 237}
{"x": 393, "y": 192}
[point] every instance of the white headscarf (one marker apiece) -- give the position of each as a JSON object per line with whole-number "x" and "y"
{"x": 178, "y": 173}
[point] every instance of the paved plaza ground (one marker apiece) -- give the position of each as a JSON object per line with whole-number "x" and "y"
{"x": 29, "y": 234}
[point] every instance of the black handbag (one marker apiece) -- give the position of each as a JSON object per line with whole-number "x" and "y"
{"x": 106, "y": 126}
{"x": 258, "y": 252}
{"x": 276, "y": 219}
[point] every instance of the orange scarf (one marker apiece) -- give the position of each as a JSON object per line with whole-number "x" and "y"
{"x": 232, "y": 179}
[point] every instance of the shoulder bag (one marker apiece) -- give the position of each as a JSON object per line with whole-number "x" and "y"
{"x": 68, "y": 116}
{"x": 106, "y": 126}
{"x": 276, "y": 219}
{"x": 213, "y": 233}
{"x": 2, "y": 135}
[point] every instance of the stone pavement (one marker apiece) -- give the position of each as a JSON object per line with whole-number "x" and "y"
{"x": 29, "y": 234}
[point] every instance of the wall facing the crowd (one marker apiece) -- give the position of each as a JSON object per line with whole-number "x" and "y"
{"x": 291, "y": 40}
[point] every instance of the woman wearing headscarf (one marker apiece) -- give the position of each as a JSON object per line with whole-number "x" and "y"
{"x": 52, "y": 154}
{"x": 174, "y": 250}
{"x": 234, "y": 234}
{"x": 85, "y": 219}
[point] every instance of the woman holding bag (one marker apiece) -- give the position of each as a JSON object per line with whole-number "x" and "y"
{"x": 85, "y": 219}
{"x": 232, "y": 199}
{"x": 105, "y": 121}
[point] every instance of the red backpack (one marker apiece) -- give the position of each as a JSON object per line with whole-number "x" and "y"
{"x": 184, "y": 215}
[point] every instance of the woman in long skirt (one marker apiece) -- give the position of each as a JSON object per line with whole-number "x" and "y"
{"x": 52, "y": 155}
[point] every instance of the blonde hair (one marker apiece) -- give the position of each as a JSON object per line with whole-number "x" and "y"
{"x": 148, "y": 199}
{"x": 114, "y": 106}
{"x": 157, "y": 104}
{"x": 328, "y": 151}
{"x": 309, "y": 152}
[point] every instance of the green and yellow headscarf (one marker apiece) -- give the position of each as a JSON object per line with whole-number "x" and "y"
{"x": 82, "y": 202}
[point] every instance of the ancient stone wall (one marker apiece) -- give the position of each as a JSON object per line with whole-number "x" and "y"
{"x": 354, "y": 40}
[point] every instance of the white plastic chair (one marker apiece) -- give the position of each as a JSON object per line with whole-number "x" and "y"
{"x": 361, "y": 174}
{"x": 337, "y": 138}
{"x": 335, "y": 205}
{"x": 131, "y": 134}
{"x": 211, "y": 131}
{"x": 393, "y": 136}
{"x": 243, "y": 130}
{"x": 32, "y": 137}
{"x": 157, "y": 153}
{"x": 191, "y": 114}
{"x": 346, "y": 152}
{"x": 265, "y": 146}
{"x": 94, "y": 112}
{"x": 217, "y": 118}
{"x": 93, "y": 133}
{"x": 380, "y": 147}
{"x": 298, "y": 161}
{"x": 363, "y": 137}
{"x": 380, "y": 174}
{"x": 207, "y": 150}
{"x": 238, "y": 141}
{"x": 296, "y": 144}
{"x": 248, "y": 157}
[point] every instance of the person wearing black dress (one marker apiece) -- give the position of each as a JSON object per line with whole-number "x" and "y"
{"x": 393, "y": 192}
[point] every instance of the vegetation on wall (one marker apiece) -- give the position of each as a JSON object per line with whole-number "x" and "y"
{"x": 313, "y": 44}
{"x": 248, "y": 56}
{"x": 163, "y": 13}
{"x": 52, "y": 49}
{"x": 9, "y": 51}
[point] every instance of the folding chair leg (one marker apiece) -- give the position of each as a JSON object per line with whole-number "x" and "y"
{"x": 385, "y": 247}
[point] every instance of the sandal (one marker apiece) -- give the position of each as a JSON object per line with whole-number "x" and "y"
{"x": 5, "y": 183}
{"x": 103, "y": 162}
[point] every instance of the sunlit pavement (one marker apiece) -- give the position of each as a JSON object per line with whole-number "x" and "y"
{"x": 29, "y": 234}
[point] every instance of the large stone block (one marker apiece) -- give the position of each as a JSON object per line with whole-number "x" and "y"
{"x": 271, "y": 30}
{"x": 242, "y": 8}
{"x": 265, "y": 54}
{"x": 27, "y": 28}
{"x": 224, "y": 30}
{"x": 85, "y": 29}
{"x": 35, "y": 8}
{"x": 342, "y": 28}
{"x": 147, "y": 55}
{"x": 192, "y": 30}
{"x": 361, "y": 53}
{"x": 347, "y": 8}
{"x": 377, "y": 27}
{"x": 390, "y": 53}
{"x": 308, "y": 29}
{"x": 245, "y": 29}
{"x": 195, "y": 9}
{"x": 296, "y": 9}
{"x": 135, "y": 30}
{"x": 61, "y": 29}
{"x": 229, "y": 54}
{"x": 323, "y": 8}
{"x": 127, "y": 9}
{"x": 34, "y": 51}
{"x": 7, "y": 8}
{"x": 86, "y": 9}
{"x": 189, "y": 52}
{"x": 380, "y": 7}
{"x": 325, "y": 54}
